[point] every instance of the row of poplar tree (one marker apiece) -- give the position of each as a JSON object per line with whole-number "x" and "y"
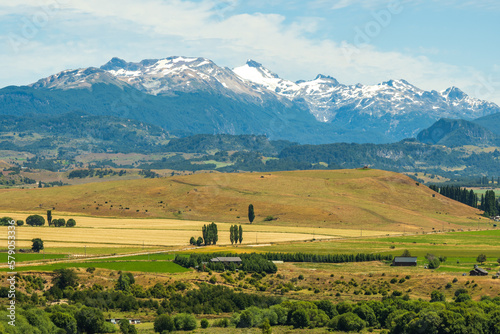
{"x": 211, "y": 235}
{"x": 236, "y": 234}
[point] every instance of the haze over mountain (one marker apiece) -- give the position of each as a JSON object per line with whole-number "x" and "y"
{"x": 194, "y": 95}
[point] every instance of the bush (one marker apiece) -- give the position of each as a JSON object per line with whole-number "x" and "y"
{"x": 460, "y": 291}
{"x": 437, "y": 296}
{"x": 90, "y": 320}
{"x": 347, "y": 322}
{"x": 185, "y": 321}
{"x": 204, "y": 323}
{"x": 300, "y": 319}
{"x": 221, "y": 323}
{"x": 64, "y": 321}
{"x": 463, "y": 297}
{"x": 367, "y": 314}
{"x": 71, "y": 222}
{"x": 164, "y": 323}
{"x": 434, "y": 263}
{"x": 20, "y": 222}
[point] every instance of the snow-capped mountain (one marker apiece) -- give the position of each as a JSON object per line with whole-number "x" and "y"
{"x": 157, "y": 77}
{"x": 327, "y": 99}
{"x": 247, "y": 99}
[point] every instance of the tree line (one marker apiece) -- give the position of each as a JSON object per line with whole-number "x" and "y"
{"x": 459, "y": 194}
{"x": 326, "y": 258}
{"x": 250, "y": 262}
{"x": 489, "y": 204}
{"x": 261, "y": 262}
{"x": 37, "y": 220}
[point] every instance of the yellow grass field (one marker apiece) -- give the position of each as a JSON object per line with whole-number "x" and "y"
{"x": 119, "y": 232}
{"x": 340, "y": 199}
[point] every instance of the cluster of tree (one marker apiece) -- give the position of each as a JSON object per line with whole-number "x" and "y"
{"x": 179, "y": 322}
{"x": 236, "y": 234}
{"x": 489, "y": 204}
{"x": 210, "y": 234}
{"x": 77, "y": 131}
{"x": 5, "y": 221}
{"x": 405, "y": 155}
{"x": 255, "y": 162}
{"x": 40, "y": 162}
{"x": 91, "y": 172}
{"x": 148, "y": 174}
{"x": 52, "y": 184}
{"x": 485, "y": 181}
{"x": 326, "y": 258}
{"x": 395, "y": 314}
{"x": 250, "y": 262}
{"x": 13, "y": 180}
{"x": 459, "y": 194}
{"x": 214, "y": 299}
{"x": 61, "y": 222}
{"x": 225, "y": 142}
{"x": 196, "y": 242}
{"x": 178, "y": 162}
{"x": 434, "y": 261}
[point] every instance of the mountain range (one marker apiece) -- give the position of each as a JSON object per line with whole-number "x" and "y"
{"x": 194, "y": 95}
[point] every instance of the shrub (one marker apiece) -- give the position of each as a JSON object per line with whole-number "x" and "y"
{"x": 460, "y": 291}
{"x": 71, "y": 222}
{"x": 463, "y": 297}
{"x": 185, "y": 321}
{"x": 437, "y": 296}
{"x": 300, "y": 319}
{"x": 204, "y": 323}
{"x": 221, "y": 323}
{"x": 347, "y": 322}
{"x": 164, "y": 323}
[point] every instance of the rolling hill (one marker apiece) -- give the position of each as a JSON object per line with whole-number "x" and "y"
{"x": 350, "y": 199}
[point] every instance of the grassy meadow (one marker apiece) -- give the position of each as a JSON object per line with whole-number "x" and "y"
{"x": 339, "y": 199}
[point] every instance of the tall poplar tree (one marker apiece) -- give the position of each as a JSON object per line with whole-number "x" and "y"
{"x": 251, "y": 213}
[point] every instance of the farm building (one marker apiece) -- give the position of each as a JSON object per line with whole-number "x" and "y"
{"x": 226, "y": 260}
{"x": 116, "y": 321}
{"x": 478, "y": 271}
{"x": 403, "y": 261}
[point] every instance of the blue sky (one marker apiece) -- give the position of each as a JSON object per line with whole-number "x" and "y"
{"x": 432, "y": 44}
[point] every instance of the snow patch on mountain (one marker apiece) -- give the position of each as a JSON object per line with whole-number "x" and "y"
{"x": 328, "y": 100}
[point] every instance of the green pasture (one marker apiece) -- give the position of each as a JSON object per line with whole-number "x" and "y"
{"x": 452, "y": 245}
{"x": 139, "y": 266}
{"x": 24, "y": 257}
{"x": 144, "y": 257}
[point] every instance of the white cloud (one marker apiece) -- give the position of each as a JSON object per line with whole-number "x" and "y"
{"x": 154, "y": 28}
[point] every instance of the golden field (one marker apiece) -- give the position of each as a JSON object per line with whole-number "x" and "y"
{"x": 120, "y": 232}
{"x": 339, "y": 199}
